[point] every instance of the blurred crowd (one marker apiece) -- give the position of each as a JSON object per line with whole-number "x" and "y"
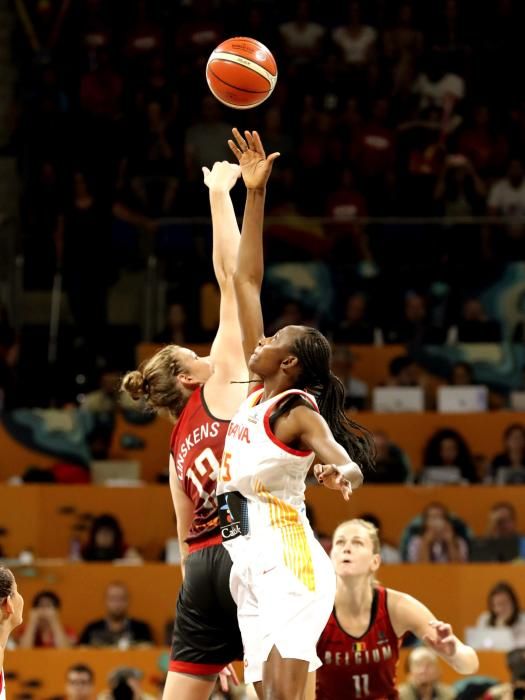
{"x": 380, "y": 110}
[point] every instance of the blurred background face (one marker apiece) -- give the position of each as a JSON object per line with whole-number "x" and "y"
{"x": 415, "y": 308}
{"x": 423, "y": 670}
{"x": 448, "y": 451}
{"x": 503, "y": 522}
{"x": 501, "y": 605}
{"x": 46, "y": 603}
{"x": 461, "y": 376}
{"x": 117, "y": 600}
{"x": 105, "y": 538}
{"x": 79, "y": 686}
{"x": 515, "y": 439}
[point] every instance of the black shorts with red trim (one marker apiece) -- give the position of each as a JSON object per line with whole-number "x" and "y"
{"x": 206, "y": 634}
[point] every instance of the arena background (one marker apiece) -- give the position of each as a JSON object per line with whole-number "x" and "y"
{"x": 395, "y": 224}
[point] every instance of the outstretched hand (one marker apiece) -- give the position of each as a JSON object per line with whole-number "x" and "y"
{"x": 222, "y": 177}
{"x": 255, "y": 165}
{"x": 442, "y": 640}
{"x": 328, "y": 475}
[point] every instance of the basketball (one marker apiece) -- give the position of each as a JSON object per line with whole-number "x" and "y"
{"x": 241, "y": 73}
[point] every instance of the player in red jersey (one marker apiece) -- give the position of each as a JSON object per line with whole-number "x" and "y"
{"x": 11, "y": 609}
{"x": 359, "y": 647}
{"x": 202, "y": 394}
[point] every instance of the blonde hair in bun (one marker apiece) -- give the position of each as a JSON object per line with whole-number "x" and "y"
{"x": 156, "y": 382}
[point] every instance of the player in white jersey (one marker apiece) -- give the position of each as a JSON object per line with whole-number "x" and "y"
{"x": 11, "y": 609}
{"x": 281, "y": 579}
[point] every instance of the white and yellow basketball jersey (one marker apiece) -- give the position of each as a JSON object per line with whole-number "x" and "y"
{"x": 270, "y": 477}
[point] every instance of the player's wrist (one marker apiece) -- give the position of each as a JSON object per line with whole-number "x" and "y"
{"x": 350, "y": 471}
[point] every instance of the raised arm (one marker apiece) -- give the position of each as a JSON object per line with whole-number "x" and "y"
{"x": 409, "y": 615}
{"x": 226, "y": 351}
{"x": 255, "y": 168}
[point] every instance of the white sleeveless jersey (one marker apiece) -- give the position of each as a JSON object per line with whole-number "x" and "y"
{"x": 271, "y": 476}
{"x": 2, "y": 685}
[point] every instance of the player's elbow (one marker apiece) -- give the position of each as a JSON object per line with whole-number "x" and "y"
{"x": 243, "y": 280}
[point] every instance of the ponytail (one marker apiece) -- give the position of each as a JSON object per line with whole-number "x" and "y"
{"x": 314, "y": 354}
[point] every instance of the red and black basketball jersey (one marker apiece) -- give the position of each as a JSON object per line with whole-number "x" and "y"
{"x": 359, "y": 668}
{"x": 197, "y": 443}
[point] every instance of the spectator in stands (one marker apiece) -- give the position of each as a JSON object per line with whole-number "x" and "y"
{"x": 125, "y": 682}
{"x": 447, "y": 448}
{"x": 415, "y": 327}
{"x": 116, "y": 629}
{"x": 502, "y": 521}
{"x": 356, "y": 41}
{"x": 509, "y": 466}
{"x": 87, "y": 222}
{"x": 437, "y": 540}
{"x": 155, "y": 163}
{"x": 101, "y": 89}
{"x": 504, "y": 610}
{"x": 174, "y": 332}
{"x": 389, "y": 553}
{"x": 80, "y": 683}
{"x": 106, "y": 540}
{"x": 102, "y": 405}
{"x": 459, "y": 190}
{"x": 374, "y": 151}
{"x": 507, "y": 198}
{"x": 391, "y": 464}
{"x": 483, "y": 144}
{"x": 301, "y": 37}
{"x": 403, "y": 45}
{"x": 461, "y": 374}
{"x": 515, "y": 689}
{"x": 292, "y": 314}
{"x": 423, "y": 678}
{"x": 355, "y": 327}
{"x": 206, "y": 139}
{"x": 345, "y": 205}
{"x": 474, "y": 325}
{"x": 403, "y": 371}
{"x": 44, "y": 628}
{"x": 356, "y": 390}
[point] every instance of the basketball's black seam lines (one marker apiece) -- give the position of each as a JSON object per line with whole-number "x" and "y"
{"x": 252, "y": 92}
{"x": 231, "y": 53}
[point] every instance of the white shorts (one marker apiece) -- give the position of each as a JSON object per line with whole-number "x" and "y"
{"x": 275, "y": 608}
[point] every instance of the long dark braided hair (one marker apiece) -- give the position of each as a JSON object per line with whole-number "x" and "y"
{"x": 314, "y": 354}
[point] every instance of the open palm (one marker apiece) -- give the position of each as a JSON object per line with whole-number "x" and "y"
{"x": 255, "y": 165}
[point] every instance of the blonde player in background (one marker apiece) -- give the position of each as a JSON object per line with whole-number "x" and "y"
{"x": 359, "y": 647}
{"x": 11, "y": 610}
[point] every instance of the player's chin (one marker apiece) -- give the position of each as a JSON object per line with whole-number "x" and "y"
{"x": 254, "y": 364}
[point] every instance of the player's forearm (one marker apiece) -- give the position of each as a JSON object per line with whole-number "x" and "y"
{"x": 250, "y": 261}
{"x": 465, "y": 660}
{"x": 226, "y": 236}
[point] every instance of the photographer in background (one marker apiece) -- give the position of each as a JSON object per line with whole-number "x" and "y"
{"x": 125, "y": 684}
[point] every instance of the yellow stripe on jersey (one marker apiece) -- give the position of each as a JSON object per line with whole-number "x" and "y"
{"x": 297, "y": 554}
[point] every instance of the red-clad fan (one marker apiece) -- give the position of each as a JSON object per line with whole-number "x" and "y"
{"x": 202, "y": 394}
{"x": 359, "y": 647}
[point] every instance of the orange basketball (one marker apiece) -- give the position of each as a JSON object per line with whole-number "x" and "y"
{"x": 241, "y": 72}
